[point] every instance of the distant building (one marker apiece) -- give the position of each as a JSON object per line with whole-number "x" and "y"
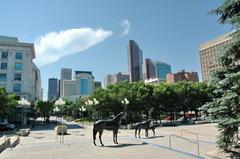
{"x": 182, "y": 76}
{"x": 82, "y": 85}
{"x": 116, "y": 78}
{"x": 85, "y": 84}
{"x": 108, "y": 80}
{"x": 209, "y": 54}
{"x": 18, "y": 73}
{"x": 66, "y": 74}
{"x": 162, "y": 69}
{"x": 97, "y": 84}
{"x": 135, "y": 61}
{"x": 69, "y": 88}
{"x": 53, "y": 89}
{"x": 155, "y": 70}
{"x": 149, "y": 69}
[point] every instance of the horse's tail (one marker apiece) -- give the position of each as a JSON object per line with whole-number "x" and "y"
{"x": 94, "y": 134}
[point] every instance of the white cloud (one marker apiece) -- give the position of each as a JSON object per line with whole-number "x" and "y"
{"x": 126, "y": 27}
{"x": 55, "y": 45}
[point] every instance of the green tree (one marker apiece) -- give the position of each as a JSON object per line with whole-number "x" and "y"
{"x": 44, "y": 108}
{"x": 225, "y": 107}
{"x": 7, "y": 103}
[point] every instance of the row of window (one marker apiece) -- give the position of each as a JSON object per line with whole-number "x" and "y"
{"x": 17, "y": 77}
{"x": 17, "y": 87}
{"x": 18, "y": 66}
{"x": 18, "y": 55}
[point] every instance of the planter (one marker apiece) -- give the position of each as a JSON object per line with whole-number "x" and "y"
{"x": 61, "y": 129}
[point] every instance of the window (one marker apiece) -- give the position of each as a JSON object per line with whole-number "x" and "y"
{"x": 3, "y": 66}
{"x": 17, "y": 77}
{"x": 3, "y": 76}
{"x": 16, "y": 87}
{"x": 18, "y": 66}
{"x": 4, "y": 55}
{"x": 19, "y": 55}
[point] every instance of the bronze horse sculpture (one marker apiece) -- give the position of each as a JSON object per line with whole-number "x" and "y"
{"x": 111, "y": 124}
{"x": 144, "y": 125}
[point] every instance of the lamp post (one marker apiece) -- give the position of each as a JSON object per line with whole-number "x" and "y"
{"x": 56, "y": 110}
{"x": 60, "y": 102}
{"x": 23, "y": 103}
{"x": 125, "y": 102}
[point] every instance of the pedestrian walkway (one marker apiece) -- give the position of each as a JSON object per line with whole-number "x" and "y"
{"x": 78, "y": 144}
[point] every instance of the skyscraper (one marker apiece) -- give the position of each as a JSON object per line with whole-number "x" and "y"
{"x": 18, "y": 73}
{"x": 135, "y": 61}
{"x": 66, "y": 74}
{"x": 162, "y": 69}
{"x": 149, "y": 69}
{"x": 53, "y": 89}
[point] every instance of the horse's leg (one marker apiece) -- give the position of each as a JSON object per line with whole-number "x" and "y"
{"x": 116, "y": 133}
{"x": 146, "y": 132}
{"x": 139, "y": 130}
{"x": 135, "y": 132}
{"x": 114, "y": 137}
{"x": 100, "y": 137}
{"x": 94, "y": 136}
{"x": 153, "y": 129}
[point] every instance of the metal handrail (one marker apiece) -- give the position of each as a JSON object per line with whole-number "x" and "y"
{"x": 194, "y": 142}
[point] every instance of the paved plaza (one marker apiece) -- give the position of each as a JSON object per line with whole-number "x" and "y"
{"x": 42, "y": 144}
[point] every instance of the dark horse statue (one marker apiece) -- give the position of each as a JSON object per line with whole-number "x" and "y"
{"x": 144, "y": 125}
{"x": 111, "y": 124}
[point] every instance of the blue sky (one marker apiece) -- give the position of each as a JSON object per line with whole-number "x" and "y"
{"x": 93, "y": 34}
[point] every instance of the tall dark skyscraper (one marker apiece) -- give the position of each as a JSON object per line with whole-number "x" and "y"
{"x": 53, "y": 89}
{"x": 149, "y": 70}
{"x": 135, "y": 61}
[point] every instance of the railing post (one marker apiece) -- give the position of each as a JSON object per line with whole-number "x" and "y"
{"x": 170, "y": 142}
{"x": 198, "y": 149}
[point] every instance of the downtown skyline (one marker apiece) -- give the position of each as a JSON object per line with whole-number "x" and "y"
{"x": 167, "y": 31}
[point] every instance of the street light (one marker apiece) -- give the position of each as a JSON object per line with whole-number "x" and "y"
{"x": 60, "y": 102}
{"x": 56, "y": 110}
{"x": 23, "y": 103}
{"x": 125, "y": 102}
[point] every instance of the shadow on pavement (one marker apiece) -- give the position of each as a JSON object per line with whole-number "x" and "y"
{"x": 152, "y": 137}
{"x": 125, "y": 145}
{"x": 73, "y": 126}
{"x": 42, "y": 126}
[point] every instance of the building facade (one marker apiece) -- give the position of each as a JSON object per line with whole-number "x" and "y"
{"x": 66, "y": 74}
{"x": 135, "y": 61}
{"x": 81, "y": 86}
{"x": 53, "y": 89}
{"x": 115, "y": 78}
{"x": 162, "y": 69}
{"x": 209, "y": 53}
{"x": 182, "y": 76}
{"x": 97, "y": 84}
{"x": 18, "y": 73}
{"x": 149, "y": 69}
{"x": 108, "y": 80}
